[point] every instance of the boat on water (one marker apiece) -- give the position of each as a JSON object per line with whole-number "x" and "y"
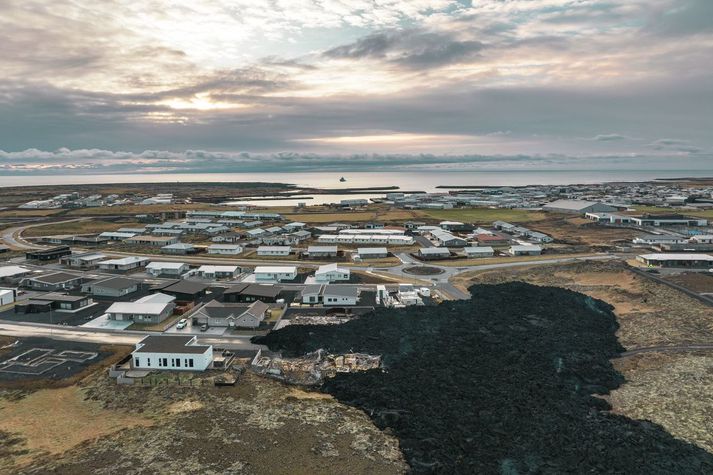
{"x": 342, "y": 179}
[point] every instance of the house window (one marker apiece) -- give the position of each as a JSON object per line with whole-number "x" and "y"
{"x": 136, "y": 362}
{"x": 148, "y": 361}
{"x": 165, "y": 361}
{"x": 190, "y": 362}
{"x": 160, "y": 362}
{"x": 178, "y": 362}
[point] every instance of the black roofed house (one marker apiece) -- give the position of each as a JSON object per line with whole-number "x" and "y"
{"x": 252, "y": 292}
{"x": 172, "y": 353}
{"x": 186, "y": 291}
{"x": 111, "y": 287}
{"x": 53, "y": 301}
{"x": 53, "y": 281}
{"x": 48, "y": 254}
{"x": 232, "y": 315}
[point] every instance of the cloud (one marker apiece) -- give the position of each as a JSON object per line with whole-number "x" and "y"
{"x": 409, "y": 48}
{"x": 609, "y": 137}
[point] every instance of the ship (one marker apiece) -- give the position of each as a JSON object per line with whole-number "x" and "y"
{"x": 342, "y": 179}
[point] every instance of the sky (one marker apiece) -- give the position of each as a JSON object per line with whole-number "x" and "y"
{"x": 231, "y": 85}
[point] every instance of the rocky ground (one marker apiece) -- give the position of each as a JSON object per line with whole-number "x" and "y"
{"x": 258, "y": 426}
{"x": 648, "y": 313}
{"x": 671, "y": 389}
{"x": 501, "y": 383}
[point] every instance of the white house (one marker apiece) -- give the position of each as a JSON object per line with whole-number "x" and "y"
{"x": 338, "y": 295}
{"x": 372, "y": 252}
{"x": 172, "y": 353}
{"x": 225, "y": 249}
{"x": 479, "y": 251}
{"x": 274, "y": 250}
{"x": 218, "y": 272}
{"x": 434, "y": 253}
{"x": 13, "y": 273}
{"x": 331, "y": 273}
{"x": 7, "y": 296}
{"x": 117, "y": 236}
{"x": 123, "y": 264}
{"x": 275, "y": 273}
{"x": 174, "y": 269}
{"x": 151, "y": 309}
{"x": 525, "y": 250}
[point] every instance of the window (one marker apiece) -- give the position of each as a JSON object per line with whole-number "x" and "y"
{"x": 136, "y": 362}
{"x": 148, "y": 361}
{"x": 160, "y": 362}
{"x": 165, "y": 361}
{"x": 178, "y": 362}
{"x": 190, "y": 362}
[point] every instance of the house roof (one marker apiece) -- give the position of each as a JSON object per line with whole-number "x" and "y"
{"x": 171, "y": 344}
{"x": 311, "y": 289}
{"x": 342, "y": 290}
{"x": 333, "y": 267}
{"x": 372, "y": 250}
{"x": 275, "y": 269}
{"x": 677, "y": 257}
{"x": 56, "y": 278}
{"x": 256, "y": 290}
{"x": 10, "y": 271}
{"x": 186, "y": 287}
{"x": 147, "y": 308}
{"x": 124, "y": 261}
{"x": 116, "y": 283}
{"x": 165, "y": 265}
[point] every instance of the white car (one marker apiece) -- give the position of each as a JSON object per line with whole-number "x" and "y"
{"x": 182, "y": 323}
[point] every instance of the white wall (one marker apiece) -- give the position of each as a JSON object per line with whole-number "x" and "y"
{"x": 6, "y": 297}
{"x": 151, "y": 360}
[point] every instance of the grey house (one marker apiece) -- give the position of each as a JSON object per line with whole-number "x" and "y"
{"x": 53, "y": 281}
{"x": 217, "y": 314}
{"x": 111, "y": 287}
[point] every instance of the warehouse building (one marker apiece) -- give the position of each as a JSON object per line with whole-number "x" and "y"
{"x": 578, "y": 207}
{"x": 693, "y": 261}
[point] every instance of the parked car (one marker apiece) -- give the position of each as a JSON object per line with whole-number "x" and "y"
{"x": 204, "y": 327}
{"x": 182, "y": 323}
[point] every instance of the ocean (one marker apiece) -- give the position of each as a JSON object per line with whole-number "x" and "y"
{"x": 421, "y": 180}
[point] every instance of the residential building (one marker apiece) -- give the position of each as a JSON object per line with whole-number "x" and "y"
{"x": 83, "y": 260}
{"x": 446, "y": 239}
{"x": 479, "y": 251}
{"x": 124, "y": 264}
{"x": 274, "y": 250}
{"x": 321, "y": 251}
{"x": 60, "y": 302}
{"x": 48, "y": 254}
{"x": 53, "y": 281}
{"x": 232, "y": 315}
{"x": 332, "y": 273}
{"x": 169, "y": 269}
{"x": 218, "y": 272}
{"x": 159, "y": 241}
{"x": 339, "y": 295}
{"x": 175, "y": 353}
{"x": 111, "y": 287}
{"x": 694, "y": 261}
{"x": 372, "y": 253}
{"x": 225, "y": 249}
{"x": 578, "y": 207}
{"x": 251, "y": 293}
{"x": 179, "y": 248}
{"x": 7, "y": 297}
{"x": 429, "y": 253}
{"x": 117, "y": 235}
{"x": 151, "y": 309}
{"x": 275, "y": 273}
{"x": 311, "y": 294}
{"x": 13, "y": 274}
{"x": 525, "y": 250}
{"x": 186, "y": 291}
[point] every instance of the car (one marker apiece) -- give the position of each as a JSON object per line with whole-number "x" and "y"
{"x": 204, "y": 327}
{"x": 182, "y": 323}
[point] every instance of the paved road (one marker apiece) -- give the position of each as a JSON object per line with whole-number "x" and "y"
{"x": 117, "y": 337}
{"x": 13, "y": 236}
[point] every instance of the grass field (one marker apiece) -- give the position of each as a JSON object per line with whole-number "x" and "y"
{"x": 706, "y": 213}
{"x": 484, "y": 215}
{"x": 88, "y": 226}
{"x": 52, "y": 421}
{"x": 29, "y": 213}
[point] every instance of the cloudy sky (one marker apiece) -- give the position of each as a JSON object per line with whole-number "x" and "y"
{"x": 117, "y": 85}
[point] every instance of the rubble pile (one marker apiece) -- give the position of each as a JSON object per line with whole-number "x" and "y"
{"x": 313, "y": 367}
{"x": 503, "y": 383}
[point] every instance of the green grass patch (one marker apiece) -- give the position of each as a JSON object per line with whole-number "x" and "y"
{"x": 484, "y": 215}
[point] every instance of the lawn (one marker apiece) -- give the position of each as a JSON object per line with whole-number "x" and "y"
{"x": 704, "y": 213}
{"x": 484, "y": 215}
{"x": 88, "y": 226}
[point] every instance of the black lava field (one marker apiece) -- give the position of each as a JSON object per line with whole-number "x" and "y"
{"x": 501, "y": 383}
